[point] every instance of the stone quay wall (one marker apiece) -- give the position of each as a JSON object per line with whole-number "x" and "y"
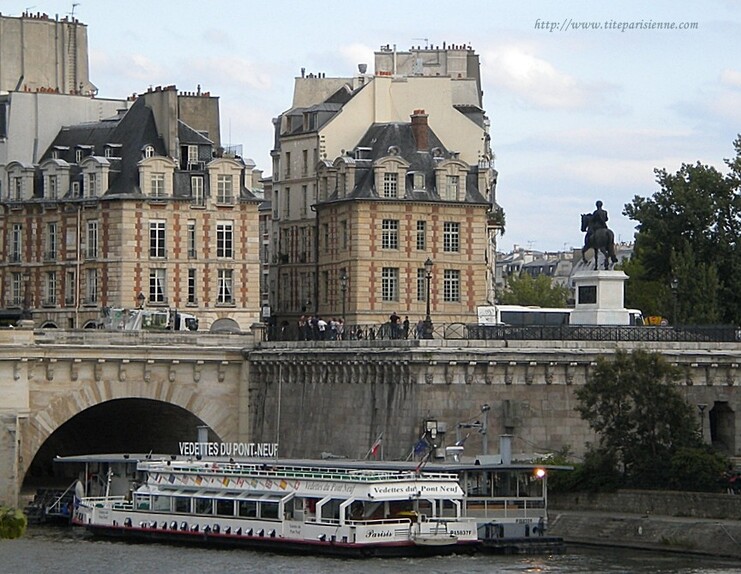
{"x": 338, "y": 398}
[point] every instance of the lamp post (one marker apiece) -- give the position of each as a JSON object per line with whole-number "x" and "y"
{"x": 675, "y": 286}
{"x": 427, "y": 334}
{"x": 343, "y": 289}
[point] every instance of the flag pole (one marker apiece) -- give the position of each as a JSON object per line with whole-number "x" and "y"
{"x": 374, "y": 446}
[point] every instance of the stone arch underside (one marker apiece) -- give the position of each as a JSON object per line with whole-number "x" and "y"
{"x": 220, "y": 416}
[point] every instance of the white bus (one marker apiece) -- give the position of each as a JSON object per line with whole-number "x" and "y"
{"x": 524, "y": 316}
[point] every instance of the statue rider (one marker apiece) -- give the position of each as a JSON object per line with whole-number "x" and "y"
{"x": 598, "y": 220}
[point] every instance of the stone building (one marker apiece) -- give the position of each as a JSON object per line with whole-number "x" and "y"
{"x": 322, "y": 141}
{"x": 41, "y": 54}
{"x": 395, "y": 201}
{"x": 138, "y": 209}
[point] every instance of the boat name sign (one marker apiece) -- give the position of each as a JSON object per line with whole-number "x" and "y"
{"x": 251, "y": 449}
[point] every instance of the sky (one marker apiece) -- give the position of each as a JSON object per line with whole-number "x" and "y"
{"x": 585, "y": 99}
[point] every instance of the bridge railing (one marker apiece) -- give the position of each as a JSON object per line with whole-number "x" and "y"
{"x": 463, "y": 331}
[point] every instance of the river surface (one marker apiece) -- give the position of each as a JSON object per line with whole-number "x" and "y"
{"x": 47, "y": 550}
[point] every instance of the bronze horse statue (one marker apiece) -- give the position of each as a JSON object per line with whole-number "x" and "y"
{"x": 602, "y": 240}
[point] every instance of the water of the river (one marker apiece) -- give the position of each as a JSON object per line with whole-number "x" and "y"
{"x": 73, "y": 551}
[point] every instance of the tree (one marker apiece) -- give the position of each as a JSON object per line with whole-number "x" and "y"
{"x": 524, "y": 290}
{"x": 689, "y": 231}
{"x": 640, "y": 417}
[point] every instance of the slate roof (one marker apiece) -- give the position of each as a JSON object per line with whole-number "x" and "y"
{"x": 379, "y": 140}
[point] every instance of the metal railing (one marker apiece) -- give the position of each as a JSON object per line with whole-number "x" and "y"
{"x": 463, "y": 331}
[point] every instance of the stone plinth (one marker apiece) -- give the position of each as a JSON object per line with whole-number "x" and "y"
{"x": 600, "y": 298}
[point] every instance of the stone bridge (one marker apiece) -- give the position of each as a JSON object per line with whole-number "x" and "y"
{"x": 84, "y": 392}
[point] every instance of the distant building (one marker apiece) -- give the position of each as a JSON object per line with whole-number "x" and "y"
{"x": 372, "y": 175}
{"x": 41, "y": 54}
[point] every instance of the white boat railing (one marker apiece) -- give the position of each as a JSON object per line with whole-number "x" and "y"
{"x": 506, "y": 507}
{"x": 292, "y": 472}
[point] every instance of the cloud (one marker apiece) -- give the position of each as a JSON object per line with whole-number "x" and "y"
{"x": 231, "y": 70}
{"x": 731, "y": 78}
{"x": 536, "y": 81}
{"x": 357, "y": 53}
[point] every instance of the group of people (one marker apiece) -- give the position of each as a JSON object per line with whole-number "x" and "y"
{"x": 314, "y": 328}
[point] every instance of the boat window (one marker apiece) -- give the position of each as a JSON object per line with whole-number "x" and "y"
{"x": 224, "y": 507}
{"x": 142, "y": 502}
{"x": 182, "y": 504}
{"x": 161, "y": 503}
{"x": 269, "y": 510}
{"x": 204, "y": 506}
{"x": 247, "y": 508}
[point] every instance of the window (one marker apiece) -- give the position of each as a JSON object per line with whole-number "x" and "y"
{"x": 157, "y": 184}
{"x": 157, "y": 286}
{"x": 17, "y": 189}
{"x": 16, "y": 242}
{"x": 325, "y": 236}
{"x": 196, "y": 191}
{"x": 390, "y": 234}
{"x": 91, "y": 286}
{"x": 92, "y": 185}
{"x": 343, "y": 227}
{"x": 224, "y": 189}
{"x": 192, "y": 155}
{"x": 91, "y": 240}
{"x": 421, "y": 235}
{"x": 451, "y": 285}
{"x": 50, "y": 297}
{"x": 52, "y": 191}
{"x": 70, "y": 288}
{"x": 287, "y": 203}
{"x": 276, "y": 204}
{"x": 451, "y": 187}
{"x": 419, "y": 180}
{"x": 108, "y": 152}
{"x": 304, "y": 162}
{"x": 421, "y": 285}
{"x": 390, "y": 185}
{"x": 288, "y": 164}
{"x": 157, "y": 239}
{"x": 148, "y": 151}
{"x": 224, "y": 295}
{"x": 192, "y": 299}
{"x": 78, "y": 155}
{"x": 16, "y": 287}
{"x": 191, "y": 239}
{"x": 451, "y": 237}
{"x": 304, "y": 199}
{"x": 51, "y": 241}
{"x": 224, "y": 239}
{"x": 390, "y": 284}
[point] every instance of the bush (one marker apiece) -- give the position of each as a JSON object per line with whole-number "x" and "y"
{"x": 698, "y": 470}
{"x": 12, "y": 523}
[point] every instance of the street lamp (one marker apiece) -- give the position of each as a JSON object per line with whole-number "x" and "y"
{"x": 675, "y": 286}
{"x": 343, "y": 289}
{"x": 427, "y": 331}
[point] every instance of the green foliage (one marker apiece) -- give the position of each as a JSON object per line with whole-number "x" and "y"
{"x": 641, "y": 419}
{"x": 689, "y": 230}
{"x": 12, "y": 523}
{"x": 524, "y": 290}
{"x": 598, "y": 472}
{"x": 697, "y": 469}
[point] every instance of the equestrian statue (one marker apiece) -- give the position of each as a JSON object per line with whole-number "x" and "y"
{"x": 598, "y": 237}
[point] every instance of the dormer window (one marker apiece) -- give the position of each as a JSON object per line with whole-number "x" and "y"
{"x": 391, "y": 184}
{"x": 419, "y": 180}
{"x": 78, "y": 155}
{"x": 148, "y": 151}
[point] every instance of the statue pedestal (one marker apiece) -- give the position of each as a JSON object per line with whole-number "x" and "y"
{"x": 600, "y": 298}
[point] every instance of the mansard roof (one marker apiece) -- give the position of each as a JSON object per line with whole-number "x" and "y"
{"x": 384, "y": 141}
{"x": 187, "y": 135}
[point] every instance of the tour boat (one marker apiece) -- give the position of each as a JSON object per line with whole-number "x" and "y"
{"x": 287, "y": 506}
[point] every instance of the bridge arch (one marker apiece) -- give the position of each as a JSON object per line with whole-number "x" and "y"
{"x": 163, "y": 396}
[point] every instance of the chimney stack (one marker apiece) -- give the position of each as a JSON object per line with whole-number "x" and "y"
{"x": 420, "y": 130}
